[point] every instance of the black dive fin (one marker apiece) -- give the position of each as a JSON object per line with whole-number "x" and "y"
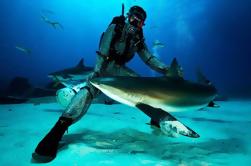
{"x": 167, "y": 122}
{"x": 81, "y": 63}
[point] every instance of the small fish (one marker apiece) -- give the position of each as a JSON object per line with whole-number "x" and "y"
{"x": 23, "y": 49}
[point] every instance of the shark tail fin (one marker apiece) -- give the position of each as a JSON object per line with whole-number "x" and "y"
{"x": 175, "y": 69}
{"x": 81, "y": 63}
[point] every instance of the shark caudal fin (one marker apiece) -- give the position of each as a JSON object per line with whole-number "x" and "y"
{"x": 168, "y": 124}
{"x": 175, "y": 70}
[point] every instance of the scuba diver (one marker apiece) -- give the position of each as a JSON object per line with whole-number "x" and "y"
{"x": 118, "y": 44}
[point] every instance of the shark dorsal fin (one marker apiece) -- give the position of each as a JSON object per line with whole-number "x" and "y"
{"x": 201, "y": 78}
{"x": 175, "y": 70}
{"x": 81, "y": 63}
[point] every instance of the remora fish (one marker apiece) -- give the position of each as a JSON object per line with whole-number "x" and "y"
{"x": 156, "y": 96}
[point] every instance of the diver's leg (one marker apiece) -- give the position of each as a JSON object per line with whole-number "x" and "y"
{"x": 47, "y": 148}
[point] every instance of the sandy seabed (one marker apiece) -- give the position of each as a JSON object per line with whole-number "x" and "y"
{"x": 118, "y": 135}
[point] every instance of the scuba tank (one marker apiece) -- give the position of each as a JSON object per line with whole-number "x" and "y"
{"x": 65, "y": 95}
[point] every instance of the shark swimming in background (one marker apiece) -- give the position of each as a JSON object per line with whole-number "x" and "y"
{"x": 24, "y": 50}
{"x": 157, "y": 96}
{"x": 78, "y": 74}
{"x": 54, "y": 24}
{"x": 74, "y": 79}
{"x": 157, "y": 44}
{"x": 47, "y": 11}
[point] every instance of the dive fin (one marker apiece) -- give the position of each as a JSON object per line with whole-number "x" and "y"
{"x": 166, "y": 121}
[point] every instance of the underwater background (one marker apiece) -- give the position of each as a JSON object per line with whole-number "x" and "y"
{"x": 212, "y": 35}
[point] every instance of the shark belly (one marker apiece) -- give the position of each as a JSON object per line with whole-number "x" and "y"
{"x": 133, "y": 98}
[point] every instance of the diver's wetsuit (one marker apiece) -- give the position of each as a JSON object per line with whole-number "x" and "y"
{"x": 81, "y": 102}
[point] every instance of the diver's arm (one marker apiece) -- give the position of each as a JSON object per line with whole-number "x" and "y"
{"x": 104, "y": 48}
{"x": 152, "y": 61}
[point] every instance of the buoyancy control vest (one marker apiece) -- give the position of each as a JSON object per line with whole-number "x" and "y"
{"x": 137, "y": 38}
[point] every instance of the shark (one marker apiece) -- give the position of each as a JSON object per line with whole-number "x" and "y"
{"x": 158, "y": 97}
{"x": 157, "y": 44}
{"x": 47, "y": 11}
{"x": 23, "y": 49}
{"x": 73, "y": 75}
{"x": 54, "y": 24}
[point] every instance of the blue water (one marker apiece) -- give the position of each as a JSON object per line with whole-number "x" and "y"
{"x": 212, "y": 35}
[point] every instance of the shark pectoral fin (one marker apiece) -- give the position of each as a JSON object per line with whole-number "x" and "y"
{"x": 56, "y": 84}
{"x": 65, "y": 76}
{"x": 213, "y": 104}
{"x": 61, "y": 26}
{"x": 53, "y": 25}
{"x": 168, "y": 124}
